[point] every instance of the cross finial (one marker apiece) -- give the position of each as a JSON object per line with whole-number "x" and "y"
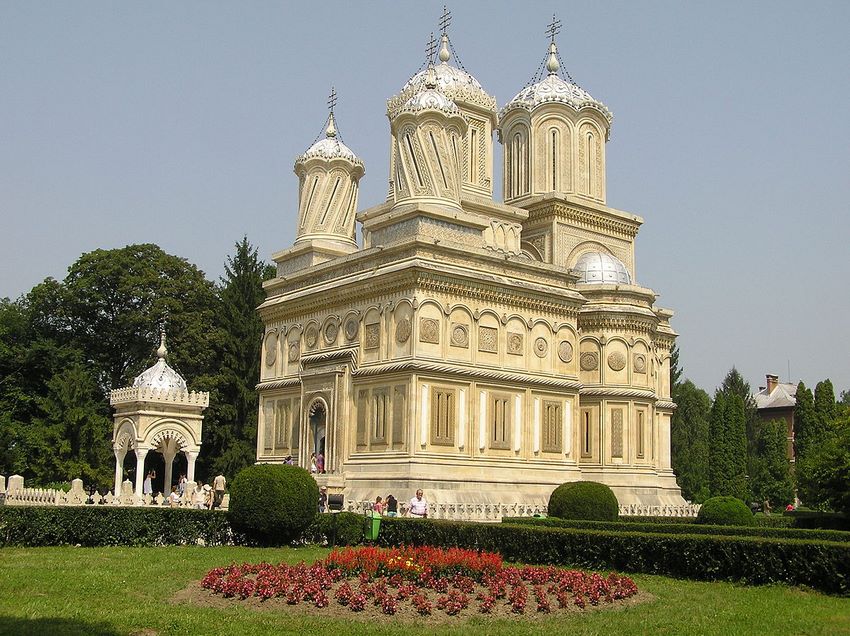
{"x": 445, "y": 20}
{"x": 332, "y": 99}
{"x": 430, "y": 49}
{"x": 554, "y": 28}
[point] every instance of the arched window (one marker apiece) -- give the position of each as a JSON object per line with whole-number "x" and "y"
{"x": 553, "y": 160}
{"x": 519, "y": 172}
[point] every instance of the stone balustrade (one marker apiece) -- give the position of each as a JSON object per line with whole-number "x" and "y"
{"x": 149, "y": 394}
{"x": 638, "y": 510}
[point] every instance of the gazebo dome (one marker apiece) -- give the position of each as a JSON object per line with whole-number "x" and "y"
{"x": 160, "y": 375}
{"x": 600, "y": 268}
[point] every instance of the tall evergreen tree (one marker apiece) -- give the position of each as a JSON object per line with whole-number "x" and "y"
{"x": 737, "y": 445}
{"x": 719, "y": 465}
{"x": 826, "y": 410}
{"x": 689, "y": 440}
{"x": 805, "y": 424}
{"x": 734, "y": 384}
{"x": 232, "y": 440}
{"x": 771, "y": 478}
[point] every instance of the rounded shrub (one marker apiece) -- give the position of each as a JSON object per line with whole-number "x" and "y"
{"x": 273, "y": 505}
{"x": 725, "y": 511}
{"x": 587, "y": 500}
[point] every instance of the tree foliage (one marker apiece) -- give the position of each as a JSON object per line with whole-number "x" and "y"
{"x": 770, "y": 476}
{"x": 805, "y": 424}
{"x": 728, "y": 446}
{"x": 689, "y": 440}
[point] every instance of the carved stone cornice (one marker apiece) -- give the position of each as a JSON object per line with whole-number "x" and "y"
{"x": 589, "y": 219}
{"x": 346, "y": 354}
{"x": 474, "y": 373}
{"x": 666, "y": 406}
{"x": 278, "y": 384}
{"x": 603, "y": 321}
{"x": 618, "y": 392}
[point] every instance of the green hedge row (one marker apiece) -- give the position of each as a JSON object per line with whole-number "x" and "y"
{"x": 337, "y": 528}
{"x": 816, "y": 519}
{"x": 92, "y": 526}
{"x": 691, "y": 528}
{"x": 664, "y": 520}
{"x": 821, "y": 565}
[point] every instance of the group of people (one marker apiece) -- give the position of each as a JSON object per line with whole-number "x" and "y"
{"x": 204, "y": 497}
{"x": 317, "y": 463}
{"x": 416, "y": 507}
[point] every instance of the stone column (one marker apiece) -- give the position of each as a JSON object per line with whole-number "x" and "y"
{"x": 120, "y": 454}
{"x": 141, "y": 453}
{"x": 168, "y": 454}
{"x": 191, "y": 456}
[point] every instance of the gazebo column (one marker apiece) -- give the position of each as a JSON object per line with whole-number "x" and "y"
{"x": 120, "y": 454}
{"x": 191, "y": 456}
{"x": 169, "y": 452}
{"x": 141, "y": 453}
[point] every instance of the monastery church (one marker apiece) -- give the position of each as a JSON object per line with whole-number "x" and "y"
{"x": 484, "y": 351}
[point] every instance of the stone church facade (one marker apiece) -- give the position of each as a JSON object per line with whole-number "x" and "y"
{"x": 484, "y": 351}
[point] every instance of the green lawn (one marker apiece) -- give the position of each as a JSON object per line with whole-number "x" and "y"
{"x": 48, "y": 591}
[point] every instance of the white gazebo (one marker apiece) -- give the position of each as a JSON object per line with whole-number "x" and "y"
{"x": 157, "y": 413}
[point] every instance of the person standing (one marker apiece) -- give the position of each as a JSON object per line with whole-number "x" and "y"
{"x": 392, "y": 506}
{"x": 323, "y": 499}
{"x": 147, "y": 486}
{"x": 314, "y": 468}
{"x": 219, "y": 484}
{"x": 418, "y": 505}
{"x": 320, "y": 462}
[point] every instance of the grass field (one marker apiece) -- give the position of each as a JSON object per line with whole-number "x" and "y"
{"x": 48, "y": 591}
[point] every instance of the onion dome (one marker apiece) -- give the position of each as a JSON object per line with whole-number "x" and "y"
{"x": 454, "y": 83}
{"x": 330, "y": 147}
{"x": 601, "y": 268}
{"x": 430, "y": 98}
{"x": 554, "y": 89}
{"x": 160, "y": 375}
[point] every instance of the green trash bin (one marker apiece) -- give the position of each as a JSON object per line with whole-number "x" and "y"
{"x": 373, "y": 527}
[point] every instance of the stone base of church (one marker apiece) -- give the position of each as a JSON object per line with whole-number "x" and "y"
{"x": 529, "y": 486}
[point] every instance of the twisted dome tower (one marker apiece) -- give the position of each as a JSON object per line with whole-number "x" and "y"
{"x": 554, "y": 134}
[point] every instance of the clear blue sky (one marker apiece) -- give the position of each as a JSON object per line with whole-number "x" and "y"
{"x": 178, "y": 124}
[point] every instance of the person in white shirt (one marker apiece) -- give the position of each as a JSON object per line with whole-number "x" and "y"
{"x": 418, "y": 506}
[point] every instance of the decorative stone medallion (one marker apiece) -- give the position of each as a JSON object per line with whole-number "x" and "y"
{"x": 589, "y": 361}
{"x": 640, "y": 363}
{"x": 617, "y": 361}
{"x": 271, "y": 349}
{"x": 541, "y": 347}
{"x": 565, "y": 351}
{"x": 402, "y": 331}
{"x": 311, "y": 336}
{"x": 429, "y": 331}
{"x": 372, "y": 336}
{"x": 351, "y": 329}
{"x": 331, "y": 331}
{"x": 460, "y": 335}
{"x": 487, "y": 339}
{"x": 294, "y": 352}
{"x": 515, "y": 343}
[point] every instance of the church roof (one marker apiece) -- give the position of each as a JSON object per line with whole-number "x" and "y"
{"x": 783, "y": 395}
{"x": 160, "y": 375}
{"x": 331, "y": 147}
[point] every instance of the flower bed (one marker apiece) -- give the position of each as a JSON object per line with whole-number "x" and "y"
{"x": 422, "y": 581}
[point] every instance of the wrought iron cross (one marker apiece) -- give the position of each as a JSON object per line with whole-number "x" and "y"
{"x": 332, "y": 99}
{"x": 431, "y": 48}
{"x": 554, "y": 28}
{"x": 445, "y": 20}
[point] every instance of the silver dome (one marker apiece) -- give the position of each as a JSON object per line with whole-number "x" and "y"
{"x": 330, "y": 148}
{"x": 599, "y": 267}
{"x": 160, "y": 375}
{"x": 554, "y": 89}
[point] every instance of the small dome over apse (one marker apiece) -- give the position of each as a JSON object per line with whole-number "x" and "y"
{"x": 601, "y": 268}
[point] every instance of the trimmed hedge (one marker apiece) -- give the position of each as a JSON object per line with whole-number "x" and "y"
{"x": 821, "y": 565}
{"x": 584, "y": 500}
{"x": 725, "y": 511}
{"x": 271, "y": 504}
{"x": 92, "y": 526}
{"x": 336, "y": 528}
{"x": 691, "y": 528}
{"x": 817, "y": 519}
{"x": 664, "y": 520}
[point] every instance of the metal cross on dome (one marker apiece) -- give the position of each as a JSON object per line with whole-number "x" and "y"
{"x": 431, "y": 48}
{"x": 445, "y": 20}
{"x": 554, "y": 28}
{"x": 332, "y": 99}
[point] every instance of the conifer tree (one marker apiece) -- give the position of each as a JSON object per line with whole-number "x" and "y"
{"x": 805, "y": 426}
{"x": 719, "y": 467}
{"x": 689, "y": 440}
{"x": 771, "y": 478}
{"x": 826, "y": 409}
{"x": 737, "y": 447}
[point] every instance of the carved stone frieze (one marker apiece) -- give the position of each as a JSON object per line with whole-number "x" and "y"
{"x": 294, "y": 352}
{"x": 460, "y": 335}
{"x": 402, "y": 331}
{"x": 311, "y": 336}
{"x": 565, "y": 351}
{"x": 541, "y": 347}
{"x": 515, "y": 343}
{"x": 331, "y": 331}
{"x": 372, "y": 336}
{"x": 616, "y": 361}
{"x": 589, "y": 361}
{"x": 429, "y": 331}
{"x": 271, "y": 349}
{"x": 488, "y": 339}
{"x": 640, "y": 363}
{"x": 351, "y": 329}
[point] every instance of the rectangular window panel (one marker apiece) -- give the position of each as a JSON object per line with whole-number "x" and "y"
{"x": 586, "y": 434}
{"x": 362, "y": 417}
{"x": 500, "y": 421}
{"x": 442, "y": 416}
{"x": 616, "y": 432}
{"x": 399, "y": 415}
{"x": 641, "y": 441}
{"x": 552, "y": 427}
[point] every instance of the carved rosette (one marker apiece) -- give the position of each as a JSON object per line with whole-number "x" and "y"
{"x": 460, "y": 336}
{"x": 372, "y": 336}
{"x": 402, "y": 331}
{"x": 331, "y": 331}
{"x": 311, "y": 336}
{"x": 565, "y": 351}
{"x": 351, "y": 329}
{"x": 640, "y": 363}
{"x": 616, "y": 361}
{"x": 429, "y": 331}
{"x": 515, "y": 344}
{"x": 589, "y": 361}
{"x": 541, "y": 347}
{"x": 487, "y": 339}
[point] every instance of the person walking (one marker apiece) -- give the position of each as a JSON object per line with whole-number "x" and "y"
{"x": 418, "y": 506}
{"x": 219, "y": 484}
